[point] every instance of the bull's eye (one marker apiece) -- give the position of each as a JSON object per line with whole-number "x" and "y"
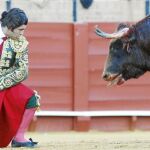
{"x": 116, "y": 52}
{"x": 116, "y": 45}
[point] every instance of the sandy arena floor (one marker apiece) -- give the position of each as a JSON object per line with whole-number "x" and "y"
{"x": 90, "y": 141}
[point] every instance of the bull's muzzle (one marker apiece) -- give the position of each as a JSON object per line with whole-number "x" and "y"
{"x": 113, "y": 79}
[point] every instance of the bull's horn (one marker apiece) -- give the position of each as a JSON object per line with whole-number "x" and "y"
{"x": 114, "y": 35}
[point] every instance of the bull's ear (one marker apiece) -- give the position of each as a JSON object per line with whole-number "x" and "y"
{"x": 122, "y": 25}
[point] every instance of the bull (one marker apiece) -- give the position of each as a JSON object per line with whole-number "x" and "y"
{"x": 129, "y": 52}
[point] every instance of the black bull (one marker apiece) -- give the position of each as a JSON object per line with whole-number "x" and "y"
{"x": 129, "y": 52}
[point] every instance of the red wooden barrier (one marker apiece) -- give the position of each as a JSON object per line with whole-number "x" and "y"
{"x": 66, "y": 62}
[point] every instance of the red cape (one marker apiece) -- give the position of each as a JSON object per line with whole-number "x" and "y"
{"x": 12, "y": 106}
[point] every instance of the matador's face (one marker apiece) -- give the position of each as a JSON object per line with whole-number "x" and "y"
{"x": 16, "y": 33}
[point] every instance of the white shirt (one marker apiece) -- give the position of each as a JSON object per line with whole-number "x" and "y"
{"x": 1, "y": 35}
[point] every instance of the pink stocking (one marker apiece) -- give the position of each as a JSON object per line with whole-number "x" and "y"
{"x": 27, "y": 118}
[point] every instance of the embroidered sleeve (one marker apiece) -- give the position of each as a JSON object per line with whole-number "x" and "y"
{"x": 19, "y": 73}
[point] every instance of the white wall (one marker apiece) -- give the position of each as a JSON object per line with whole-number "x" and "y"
{"x": 61, "y": 10}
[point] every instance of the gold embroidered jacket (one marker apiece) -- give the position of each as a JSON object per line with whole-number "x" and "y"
{"x": 13, "y": 62}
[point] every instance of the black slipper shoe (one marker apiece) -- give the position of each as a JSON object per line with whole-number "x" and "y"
{"x": 24, "y": 144}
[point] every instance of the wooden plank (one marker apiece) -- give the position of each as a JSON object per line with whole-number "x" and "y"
{"x": 80, "y": 67}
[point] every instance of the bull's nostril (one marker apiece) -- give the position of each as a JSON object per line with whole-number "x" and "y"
{"x": 105, "y": 76}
